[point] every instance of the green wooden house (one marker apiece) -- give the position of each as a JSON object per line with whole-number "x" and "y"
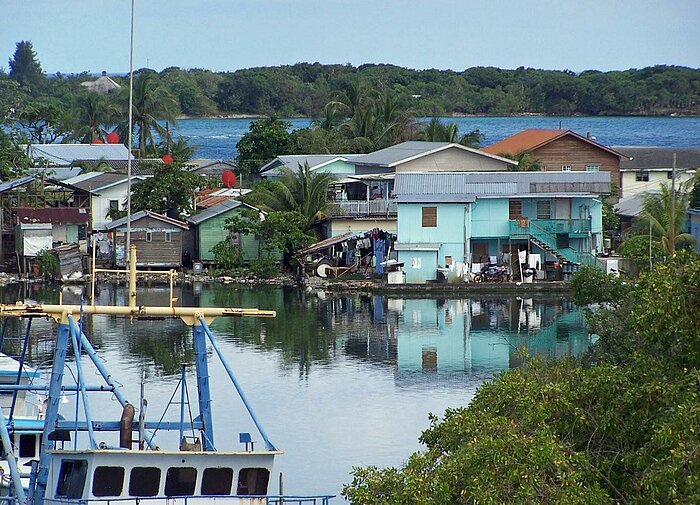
{"x": 210, "y": 229}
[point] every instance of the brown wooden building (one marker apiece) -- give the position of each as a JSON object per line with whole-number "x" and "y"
{"x": 561, "y": 151}
{"x": 158, "y": 240}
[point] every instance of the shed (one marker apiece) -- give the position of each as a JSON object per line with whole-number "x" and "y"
{"x": 158, "y": 240}
{"x": 210, "y": 229}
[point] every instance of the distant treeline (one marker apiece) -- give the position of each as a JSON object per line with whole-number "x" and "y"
{"x": 303, "y": 90}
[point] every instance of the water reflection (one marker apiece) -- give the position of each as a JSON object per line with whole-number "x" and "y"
{"x": 338, "y": 381}
{"x": 423, "y": 340}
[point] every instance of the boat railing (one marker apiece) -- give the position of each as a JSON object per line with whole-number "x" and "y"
{"x": 323, "y": 499}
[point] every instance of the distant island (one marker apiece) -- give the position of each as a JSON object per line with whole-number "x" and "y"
{"x": 304, "y": 89}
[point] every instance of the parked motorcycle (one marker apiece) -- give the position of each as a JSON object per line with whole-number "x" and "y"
{"x": 492, "y": 273}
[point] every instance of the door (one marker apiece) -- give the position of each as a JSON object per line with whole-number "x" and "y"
{"x": 563, "y": 209}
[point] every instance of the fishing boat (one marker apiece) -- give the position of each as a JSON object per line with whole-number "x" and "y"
{"x": 59, "y": 469}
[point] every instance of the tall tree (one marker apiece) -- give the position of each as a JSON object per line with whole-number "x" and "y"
{"x": 265, "y": 139}
{"x": 13, "y": 160}
{"x": 91, "y": 116}
{"x": 437, "y": 131}
{"x": 25, "y": 68}
{"x": 170, "y": 191}
{"x": 152, "y": 103}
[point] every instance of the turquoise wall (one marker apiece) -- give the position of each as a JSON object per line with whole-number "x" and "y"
{"x": 450, "y": 224}
{"x": 490, "y": 218}
{"x": 428, "y": 266}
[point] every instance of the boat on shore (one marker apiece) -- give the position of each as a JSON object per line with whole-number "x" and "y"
{"x": 78, "y": 458}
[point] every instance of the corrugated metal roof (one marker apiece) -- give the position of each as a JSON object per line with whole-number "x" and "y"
{"x": 10, "y": 185}
{"x": 274, "y": 168}
{"x": 215, "y": 210}
{"x": 146, "y": 213}
{"x": 413, "y": 187}
{"x": 53, "y": 215}
{"x": 94, "y": 181}
{"x": 318, "y": 246}
{"x": 65, "y": 154}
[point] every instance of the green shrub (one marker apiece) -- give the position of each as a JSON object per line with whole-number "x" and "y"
{"x": 264, "y": 268}
{"x": 227, "y": 256}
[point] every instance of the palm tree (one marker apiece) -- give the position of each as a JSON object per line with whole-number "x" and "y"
{"x": 655, "y": 218}
{"x": 437, "y": 131}
{"x": 91, "y": 114}
{"x": 151, "y": 103}
{"x": 300, "y": 190}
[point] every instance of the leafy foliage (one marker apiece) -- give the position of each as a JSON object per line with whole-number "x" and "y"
{"x": 620, "y": 427}
{"x": 25, "y": 68}
{"x": 170, "y": 191}
{"x": 265, "y": 139}
{"x": 227, "y": 256}
{"x": 275, "y": 232}
{"x": 13, "y": 159}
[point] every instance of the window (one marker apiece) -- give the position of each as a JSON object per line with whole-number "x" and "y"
{"x": 27, "y": 446}
{"x": 641, "y": 176}
{"x": 544, "y": 209}
{"x": 566, "y": 168}
{"x": 113, "y": 205}
{"x": 144, "y": 481}
{"x": 429, "y": 217}
{"x": 669, "y": 175}
{"x": 180, "y": 481}
{"x": 71, "y": 478}
{"x": 253, "y": 481}
{"x": 149, "y": 236}
{"x": 515, "y": 209}
{"x": 592, "y": 168}
{"x": 108, "y": 481}
{"x": 217, "y": 481}
{"x": 168, "y": 236}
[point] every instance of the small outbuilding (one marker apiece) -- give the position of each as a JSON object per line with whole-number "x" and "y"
{"x": 158, "y": 240}
{"x": 210, "y": 229}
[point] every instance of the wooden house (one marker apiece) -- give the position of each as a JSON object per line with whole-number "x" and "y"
{"x": 562, "y": 151}
{"x": 210, "y": 229}
{"x": 158, "y": 240}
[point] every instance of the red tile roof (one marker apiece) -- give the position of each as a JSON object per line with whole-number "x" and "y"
{"x": 525, "y": 140}
{"x": 529, "y": 140}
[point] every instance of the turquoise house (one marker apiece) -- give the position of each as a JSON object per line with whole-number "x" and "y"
{"x": 451, "y": 220}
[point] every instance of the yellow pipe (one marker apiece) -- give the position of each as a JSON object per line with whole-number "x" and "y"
{"x": 189, "y": 315}
{"x": 132, "y": 277}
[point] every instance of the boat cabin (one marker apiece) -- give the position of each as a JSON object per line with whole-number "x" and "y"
{"x": 124, "y": 474}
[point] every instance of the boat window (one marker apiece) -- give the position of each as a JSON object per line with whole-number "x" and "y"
{"x": 253, "y": 481}
{"x": 27, "y": 446}
{"x": 71, "y": 478}
{"x": 217, "y": 481}
{"x": 180, "y": 481}
{"x": 108, "y": 481}
{"x": 144, "y": 481}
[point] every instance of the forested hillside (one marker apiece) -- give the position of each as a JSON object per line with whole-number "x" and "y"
{"x": 305, "y": 88}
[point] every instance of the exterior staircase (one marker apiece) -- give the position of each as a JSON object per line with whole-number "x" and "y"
{"x": 544, "y": 236}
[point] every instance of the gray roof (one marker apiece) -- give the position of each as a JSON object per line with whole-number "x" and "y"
{"x": 9, "y": 185}
{"x": 631, "y": 206}
{"x": 273, "y": 168}
{"x": 406, "y": 151}
{"x": 211, "y": 167}
{"x": 215, "y": 210}
{"x": 145, "y": 213}
{"x": 97, "y": 181}
{"x": 65, "y": 154}
{"x": 650, "y": 158}
{"x": 465, "y": 187}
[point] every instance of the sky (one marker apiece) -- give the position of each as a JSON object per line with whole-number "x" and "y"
{"x": 72, "y": 36}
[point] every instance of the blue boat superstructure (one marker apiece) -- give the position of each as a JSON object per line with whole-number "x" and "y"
{"x": 195, "y": 471}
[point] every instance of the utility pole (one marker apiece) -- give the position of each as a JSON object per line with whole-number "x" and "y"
{"x": 672, "y": 231}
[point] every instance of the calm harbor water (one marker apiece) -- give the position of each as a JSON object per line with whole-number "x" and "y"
{"x": 337, "y": 381}
{"x": 217, "y": 138}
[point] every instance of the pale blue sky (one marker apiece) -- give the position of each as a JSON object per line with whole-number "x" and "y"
{"x": 93, "y": 35}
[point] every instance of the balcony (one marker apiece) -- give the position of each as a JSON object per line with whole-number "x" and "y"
{"x": 574, "y": 228}
{"x": 362, "y": 208}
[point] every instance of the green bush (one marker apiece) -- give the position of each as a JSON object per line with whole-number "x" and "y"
{"x": 264, "y": 268}
{"x": 227, "y": 256}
